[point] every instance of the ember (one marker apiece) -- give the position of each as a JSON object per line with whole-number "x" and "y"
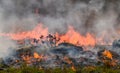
{"x": 69, "y": 49}
{"x": 58, "y": 33}
{"x": 36, "y": 55}
{"x": 107, "y": 53}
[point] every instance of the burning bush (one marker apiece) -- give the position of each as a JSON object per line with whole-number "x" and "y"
{"x": 61, "y": 35}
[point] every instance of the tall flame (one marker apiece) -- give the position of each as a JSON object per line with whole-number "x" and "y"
{"x": 71, "y": 36}
{"x": 35, "y": 33}
{"x": 76, "y": 38}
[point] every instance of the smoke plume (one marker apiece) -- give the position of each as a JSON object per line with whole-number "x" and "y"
{"x": 94, "y": 16}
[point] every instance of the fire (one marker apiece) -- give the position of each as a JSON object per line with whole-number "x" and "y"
{"x": 27, "y": 59}
{"x": 70, "y": 62}
{"x": 73, "y": 68}
{"x": 76, "y": 38}
{"x": 36, "y": 55}
{"x": 35, "y": 33}
{"x": 30, "y": 59}
{"x": 108, "y": 54}
{"x": 71, "y": 36}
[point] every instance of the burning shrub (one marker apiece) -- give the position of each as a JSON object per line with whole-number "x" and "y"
{"x": 65, "y": 34}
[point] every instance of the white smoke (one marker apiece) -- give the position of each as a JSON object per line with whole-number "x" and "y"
{"x": 6, "y": 47}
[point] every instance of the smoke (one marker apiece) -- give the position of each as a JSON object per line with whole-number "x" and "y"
{"x": 84, "y": 15}
{"x": 15, "y": 16}
{"x": 94, "y": 16}
{"x": 7, "y": 47}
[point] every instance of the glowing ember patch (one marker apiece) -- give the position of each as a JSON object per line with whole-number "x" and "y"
{"x": 73, "y": 68}
{"x": 36, "y": 55}
{"x": 27, "y": 59}
{"x": 107, "y": 53}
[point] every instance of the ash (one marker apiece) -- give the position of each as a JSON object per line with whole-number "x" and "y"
{"x": 46, "y": 54}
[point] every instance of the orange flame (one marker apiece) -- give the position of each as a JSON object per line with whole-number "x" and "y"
{"x": 27, "y": 59}
{"x": 73, "y": 68}
{"x": 76, "y": 38}
{"x": 70, "y": 62}
{"x": 108, "y": 54}
{"x": 71, "y": 36}
{"x": 30, "y": 59}
{"x": 36, "y": 55}
{"x": 35, "y": 33}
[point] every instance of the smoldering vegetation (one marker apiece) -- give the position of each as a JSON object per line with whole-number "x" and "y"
{"x": 94, "y": 16}
{"x": 65, "y": 54}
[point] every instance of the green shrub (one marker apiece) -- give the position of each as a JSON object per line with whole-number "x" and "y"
{"x": 87, "y": 69}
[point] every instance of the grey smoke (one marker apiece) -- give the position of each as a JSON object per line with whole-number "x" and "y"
{"x": 7, "y": 47}
{"x": 93, "y": 16}
{"x": 84, "y": 15}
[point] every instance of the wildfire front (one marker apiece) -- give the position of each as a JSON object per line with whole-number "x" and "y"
{"x": 57, "y": 34}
